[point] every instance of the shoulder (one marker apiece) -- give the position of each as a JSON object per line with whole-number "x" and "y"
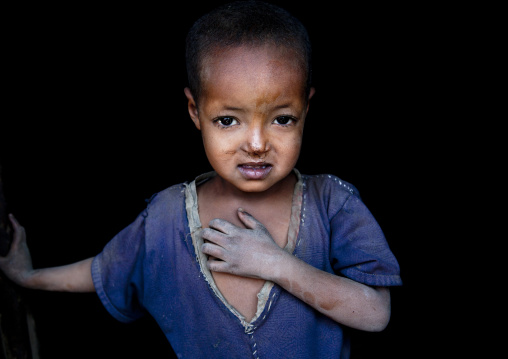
{"x": 173, "y": 192}
{"x": 330, "y": 190}
{"x": 331, "y": 182}
{"x": 167, "y": 201}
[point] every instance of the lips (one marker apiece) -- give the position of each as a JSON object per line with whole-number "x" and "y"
{"x": 255, "y": 170}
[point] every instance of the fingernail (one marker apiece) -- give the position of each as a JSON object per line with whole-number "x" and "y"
{"x": 243, "y": 211}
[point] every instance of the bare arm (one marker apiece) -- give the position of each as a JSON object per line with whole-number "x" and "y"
{"x": 344, "y": 300}
{"x": 252, "y": 252}
{"x": 17, "y": 266}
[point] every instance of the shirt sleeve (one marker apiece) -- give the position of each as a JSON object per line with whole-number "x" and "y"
{"x": 359, "y": 249}
{"x": 117, "y": 272}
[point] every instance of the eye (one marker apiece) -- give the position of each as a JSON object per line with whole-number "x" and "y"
{"x": 226, "y": 121}
{"x": 284, "y": 120}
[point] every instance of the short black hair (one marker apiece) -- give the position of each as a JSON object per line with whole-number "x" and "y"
{"x": 252, "y": 23}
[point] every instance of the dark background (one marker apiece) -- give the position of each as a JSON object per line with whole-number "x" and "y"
{"x": 96, "y": 122}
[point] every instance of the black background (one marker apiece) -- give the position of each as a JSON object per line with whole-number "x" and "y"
{"x": 96, "y": 122}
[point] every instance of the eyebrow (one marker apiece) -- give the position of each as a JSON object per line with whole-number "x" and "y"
{"x": 239, "y": 109}
{"x": 284, "y": 105}
{"x": 232, "y": 108}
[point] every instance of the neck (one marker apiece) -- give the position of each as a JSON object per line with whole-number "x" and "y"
{"x": 223, "y": 189}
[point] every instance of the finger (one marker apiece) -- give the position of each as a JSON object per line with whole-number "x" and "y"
{"x": 217, "y": 266}
{"x": 222, "y": 225}
{"x": 14, "y": 221}
{"x": 213, "y": 250}
{"x": 19, "y": 231}
{"x": 214, "y": 236}
{"x": 249, "y": 220}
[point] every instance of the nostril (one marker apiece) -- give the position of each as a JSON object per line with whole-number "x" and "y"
{"x": 258, "y": 147}
{"x": 260, "y": 153}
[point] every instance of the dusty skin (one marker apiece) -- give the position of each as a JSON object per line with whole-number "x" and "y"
{"x": 251, "y": 116}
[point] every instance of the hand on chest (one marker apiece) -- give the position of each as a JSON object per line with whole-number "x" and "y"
{"x": 242, "y": 243}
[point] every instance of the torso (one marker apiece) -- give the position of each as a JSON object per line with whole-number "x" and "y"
{"x": 273, "y": 212}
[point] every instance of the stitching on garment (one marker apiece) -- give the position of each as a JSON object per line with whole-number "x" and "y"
{"x": 249, "y": 329}
{"x": 254, "y": 353}
{"x": 337, "y": 179}
{"x": 304, "y": 206}
{"x": 270, "y": 305}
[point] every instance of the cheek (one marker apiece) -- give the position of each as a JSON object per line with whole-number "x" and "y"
{"x": 294, "y": 152}
{"x": 289, "y": 146}
{"x": 218, "y": 148}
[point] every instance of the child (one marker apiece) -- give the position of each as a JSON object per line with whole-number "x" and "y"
{"x": 253, "y": 259}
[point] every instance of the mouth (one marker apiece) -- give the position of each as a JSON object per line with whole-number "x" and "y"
{"x": 255, "y": 170}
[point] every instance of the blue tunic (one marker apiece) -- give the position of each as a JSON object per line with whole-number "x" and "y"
{"x": 154, "y": 266}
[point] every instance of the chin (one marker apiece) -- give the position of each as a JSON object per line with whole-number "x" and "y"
{"x": 252, "y": 185}
{"x": 254, "y": 188}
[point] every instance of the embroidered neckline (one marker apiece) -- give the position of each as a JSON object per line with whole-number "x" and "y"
{"x": 191, "y": 204}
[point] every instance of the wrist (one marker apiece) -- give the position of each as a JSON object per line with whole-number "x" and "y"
{"x": 28, "y": 279}
{"x": 279, "y": 267}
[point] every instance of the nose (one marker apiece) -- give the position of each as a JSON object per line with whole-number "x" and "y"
{"x": 256, "y": 143}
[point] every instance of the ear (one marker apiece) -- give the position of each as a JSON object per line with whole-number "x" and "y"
{"x": 311, "y": 93}
{"x": 192, "y": 107}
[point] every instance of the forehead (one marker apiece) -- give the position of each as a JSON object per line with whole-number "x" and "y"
{"x": 252, "y": 66}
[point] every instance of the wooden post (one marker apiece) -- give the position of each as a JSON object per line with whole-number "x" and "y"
{"x": 18, "y": 339}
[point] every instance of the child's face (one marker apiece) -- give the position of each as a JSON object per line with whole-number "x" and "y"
{"x": 251, "y": 115}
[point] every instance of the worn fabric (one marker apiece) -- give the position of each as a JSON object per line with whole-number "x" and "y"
{"x": 153, "y": 266}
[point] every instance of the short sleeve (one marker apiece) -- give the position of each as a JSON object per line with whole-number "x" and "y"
{"x": 359, "y": 249}
{"x": 117, "y": 272}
